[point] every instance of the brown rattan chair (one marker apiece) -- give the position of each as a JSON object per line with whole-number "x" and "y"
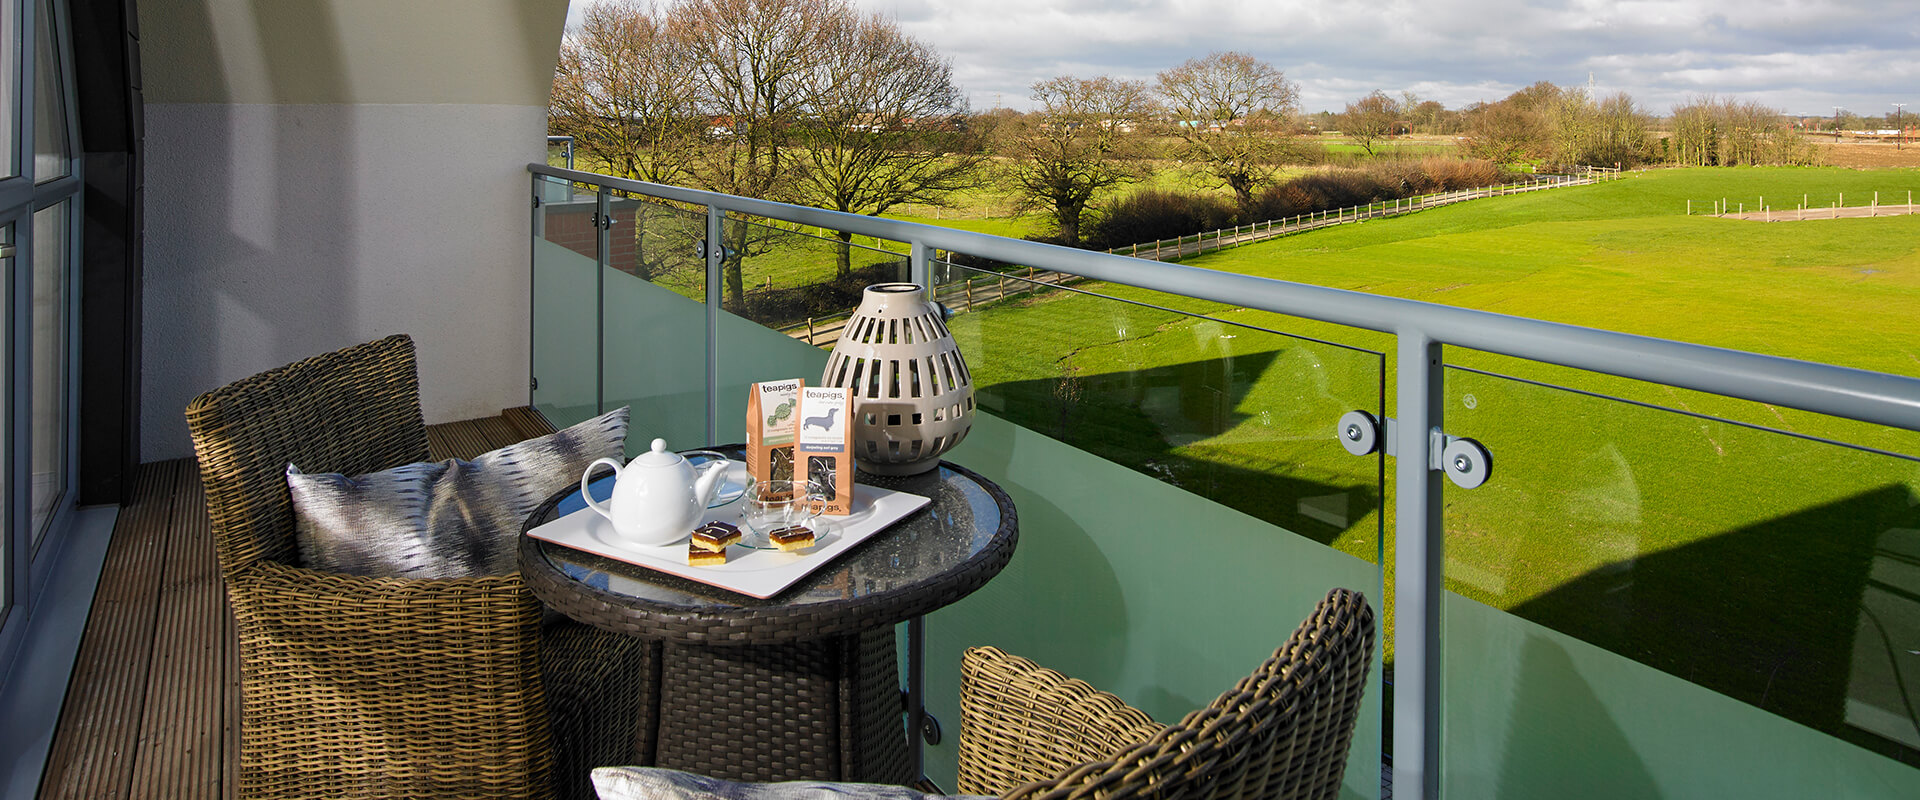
{"x": 381, "y": 687}
{"x": 1027, "y": 732}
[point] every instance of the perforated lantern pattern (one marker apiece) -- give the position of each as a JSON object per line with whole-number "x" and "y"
{"x": 912, "y": 394}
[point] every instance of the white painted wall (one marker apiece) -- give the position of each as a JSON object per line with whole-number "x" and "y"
{"x": 278, "y": 231}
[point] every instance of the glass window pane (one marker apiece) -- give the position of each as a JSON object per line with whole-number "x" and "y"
{"x": 51, "y": 150}
{"x": 49, "y": 343}
{"x": 6, "y": 446}
{"x": 9, "y": 57}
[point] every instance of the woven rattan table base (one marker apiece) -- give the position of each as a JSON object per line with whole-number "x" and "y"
{"x": 827, "y": 709}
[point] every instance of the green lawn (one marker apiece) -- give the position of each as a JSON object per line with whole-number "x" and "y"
{"x": 1672, "y": 532}
{"x": 1389, "y": 147}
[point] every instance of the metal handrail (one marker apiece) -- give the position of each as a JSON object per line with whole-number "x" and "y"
{"x": 1822, "y": 388}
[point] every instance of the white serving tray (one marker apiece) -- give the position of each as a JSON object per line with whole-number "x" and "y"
{"x": 752, "y": 572}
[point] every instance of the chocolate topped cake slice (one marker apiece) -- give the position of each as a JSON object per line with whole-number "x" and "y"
{"x": 701, "y": 557}
{"x": 792, "y": 537}
{"x": 715, "y": 536}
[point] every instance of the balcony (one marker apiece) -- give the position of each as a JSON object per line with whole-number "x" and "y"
{"x": 1662, "y": 589}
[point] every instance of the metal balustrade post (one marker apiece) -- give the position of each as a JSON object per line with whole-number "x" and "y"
{"x": 1418, "y": 568}
{"x": 917, "y": 271}
{"x": 602, "y": 249}
{"x": 917, "y": 693}
{"x": 533, "y": 288}
{"x": 716, "y": 257}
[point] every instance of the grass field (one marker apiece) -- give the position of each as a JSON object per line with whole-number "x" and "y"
{"x": 1666, "y": 528}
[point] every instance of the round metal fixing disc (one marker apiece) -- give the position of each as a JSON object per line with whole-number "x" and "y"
{"x": 1466, "y": 463}
{"x": 1359, "y": 432}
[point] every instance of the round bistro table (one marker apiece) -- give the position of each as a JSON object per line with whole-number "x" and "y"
{"x": 803, "y": 685}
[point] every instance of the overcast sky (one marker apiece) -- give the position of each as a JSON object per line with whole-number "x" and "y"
{"x": 1802, "y": 56}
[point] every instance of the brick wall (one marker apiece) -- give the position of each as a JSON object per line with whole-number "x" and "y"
{"x": 570, "y": 225}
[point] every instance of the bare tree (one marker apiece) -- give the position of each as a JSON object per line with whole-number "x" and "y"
{"x": 1422, "y": 116}
{"x": 624, "y": 90}
{"x": 884, "y": 125}
{"x": 1078, "y": 143}
{"x": 1231, "y": 110}
{"x": 1624, "y": 138}
{"x": 1572, "y": 122}
{"x": 1696, "y": 134}
{"x": 1537, "y": 97}
{"x": 752, "y": 56}
{"x": 1724, "y": 132}
{"x": 1502, "y": 132}
{"x": 1370, "y": 119}
{"x": 1429, "y": 116}
{"x": 1523, "y": 125}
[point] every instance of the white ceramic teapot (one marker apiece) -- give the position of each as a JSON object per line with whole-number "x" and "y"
{"x": 658, "y": 496}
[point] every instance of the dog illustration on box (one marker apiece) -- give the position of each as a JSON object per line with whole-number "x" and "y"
{"x": 823, "y": 422}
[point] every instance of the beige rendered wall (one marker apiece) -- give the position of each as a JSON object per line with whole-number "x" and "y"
{"x": 324, "y": 172}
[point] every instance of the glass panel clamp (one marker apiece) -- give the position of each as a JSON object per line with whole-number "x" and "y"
{"x": 1466, "y": 462}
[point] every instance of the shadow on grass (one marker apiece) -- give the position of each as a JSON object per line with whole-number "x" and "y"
{"x": 1814, "y": 616}
{"x": 1160, "y": 420}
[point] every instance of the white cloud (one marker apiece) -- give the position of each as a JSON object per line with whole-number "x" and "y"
{"x": 1799, "y": 55}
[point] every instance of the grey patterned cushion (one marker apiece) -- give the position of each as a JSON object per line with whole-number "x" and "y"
{"x": 651, "y": 783}
{"x": 451, "y": 519}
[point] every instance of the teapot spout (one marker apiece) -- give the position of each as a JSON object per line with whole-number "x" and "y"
{"x": 711, "y": 475}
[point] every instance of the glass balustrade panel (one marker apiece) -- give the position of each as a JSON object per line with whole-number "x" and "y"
{"x": 565, "y": 295}
{"x": 1183, "y": 499}
{"x": 654, "y": 321}
{"x": 1240, "y": 414}
{"x": 1652, "y": 601}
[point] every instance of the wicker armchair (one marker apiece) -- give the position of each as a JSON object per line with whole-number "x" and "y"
{"x": 1027, "y": 732}
{"x": 376, "y": 687}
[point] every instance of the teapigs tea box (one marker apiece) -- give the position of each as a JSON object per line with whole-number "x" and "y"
{"x": 773, "y": 413}
{"x": 825, "y": 449}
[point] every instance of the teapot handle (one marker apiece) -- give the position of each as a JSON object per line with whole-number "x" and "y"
{"x": 588, "y": 496}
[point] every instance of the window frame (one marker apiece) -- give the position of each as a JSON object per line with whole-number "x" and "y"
{"x": 29, "y": 555}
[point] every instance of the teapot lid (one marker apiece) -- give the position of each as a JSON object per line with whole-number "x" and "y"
{"x": 659, "y": 456}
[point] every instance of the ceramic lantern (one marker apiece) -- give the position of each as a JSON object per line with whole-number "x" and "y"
{"x": 912, "y": 395}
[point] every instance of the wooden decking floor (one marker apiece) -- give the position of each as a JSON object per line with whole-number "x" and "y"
{"x": 153, "y": 710}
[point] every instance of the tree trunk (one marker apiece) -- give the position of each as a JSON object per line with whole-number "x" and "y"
{"x": 1068, "y": 217}
{"x": 734, "y": 293}
{"x": 641, "y": 269}
{"x": 843, "y": 254}
{"x": 1242, "y": 190}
